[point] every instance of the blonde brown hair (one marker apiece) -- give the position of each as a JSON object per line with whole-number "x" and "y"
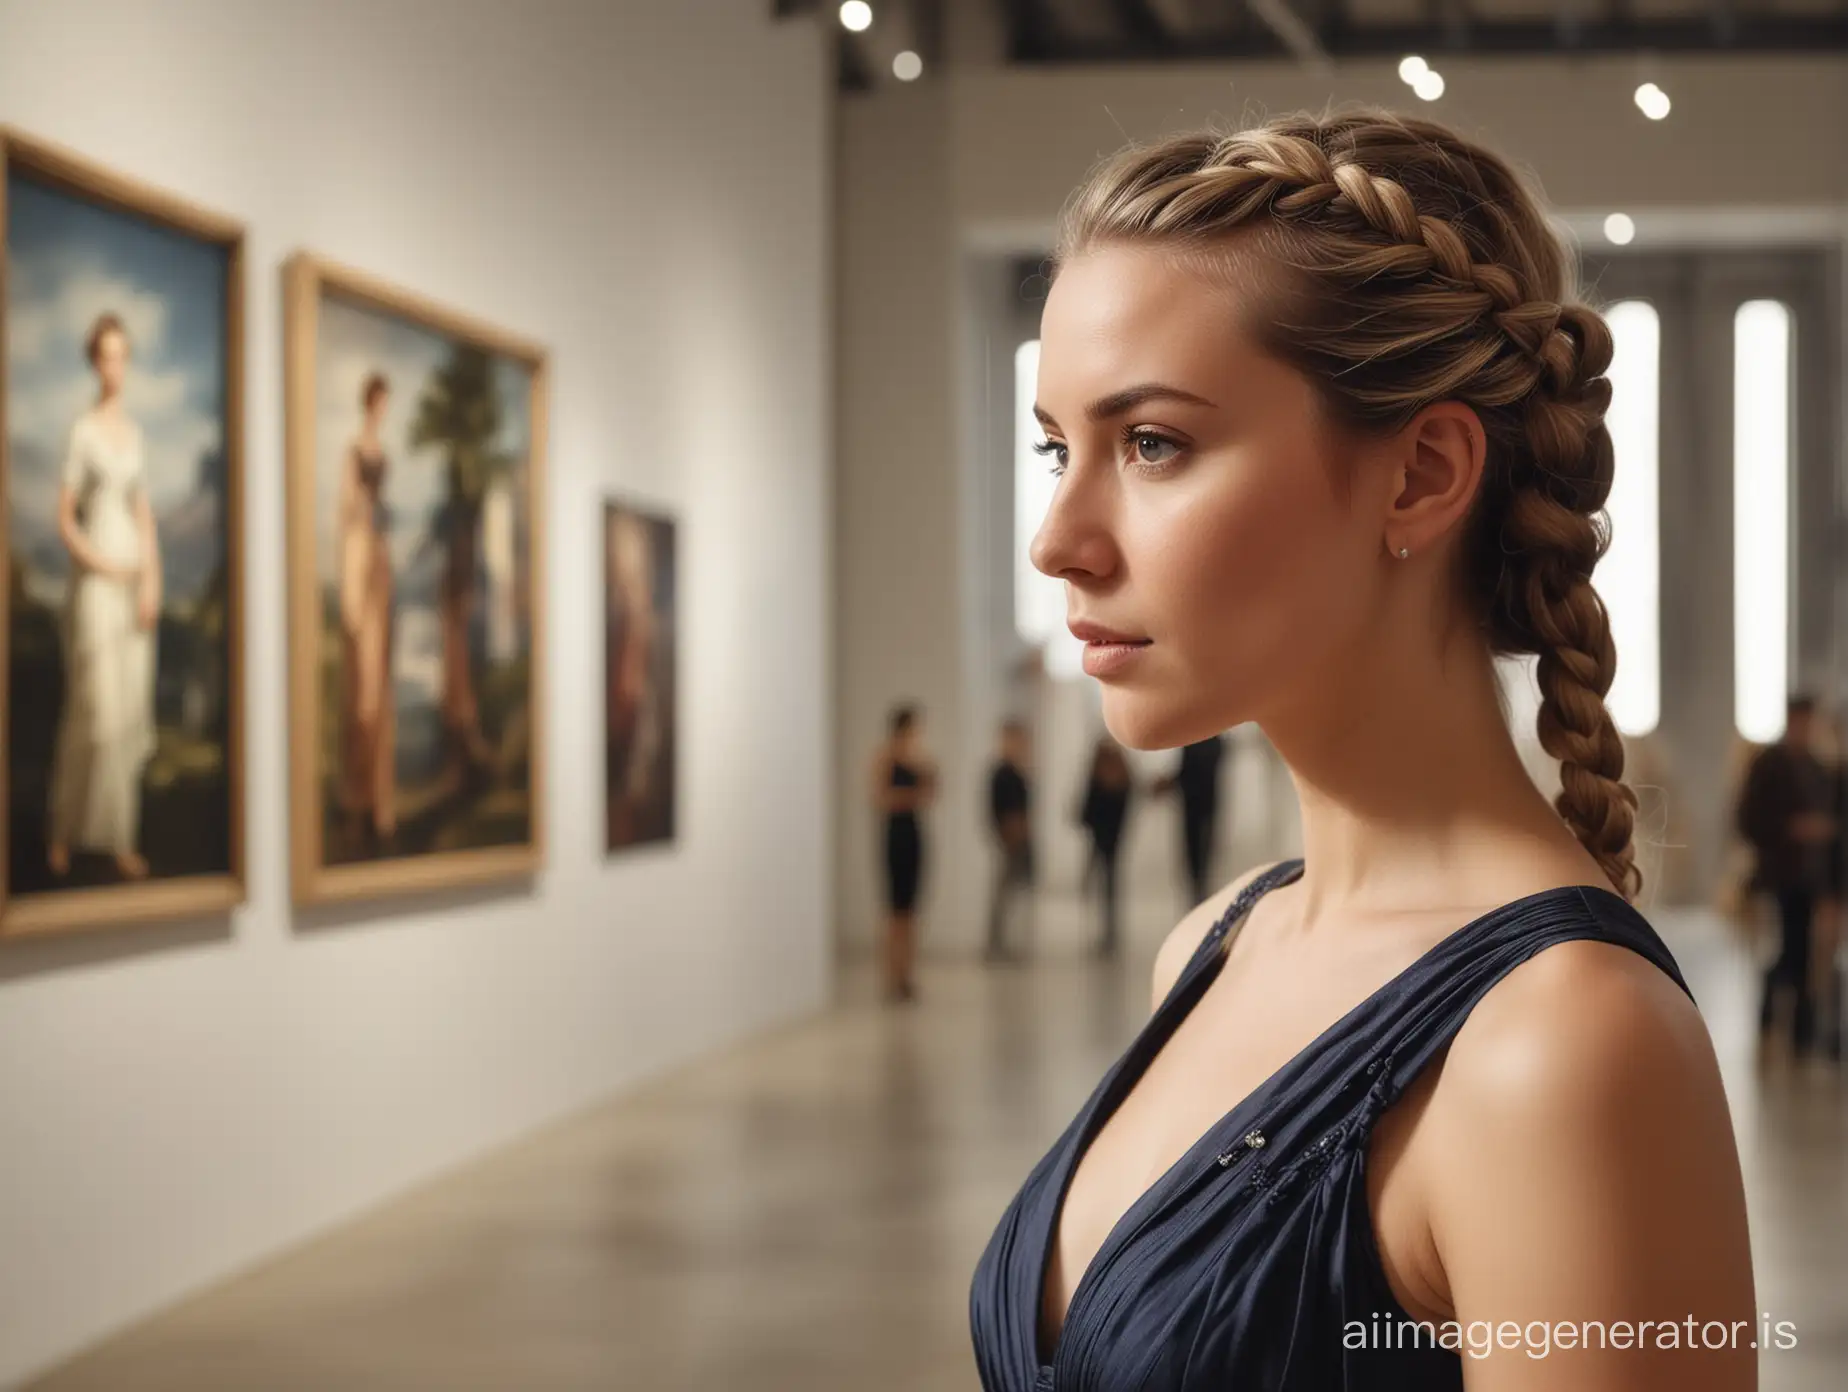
{"x": 1412, "y": 266}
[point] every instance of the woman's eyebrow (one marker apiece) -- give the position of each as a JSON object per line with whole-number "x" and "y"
{"x": 1120, "y": 402}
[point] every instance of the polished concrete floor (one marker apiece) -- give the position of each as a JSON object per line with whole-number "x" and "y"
{"x": 804, "y": 1212}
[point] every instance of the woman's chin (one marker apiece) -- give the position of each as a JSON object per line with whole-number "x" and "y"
{"x": 1143, "y": 720}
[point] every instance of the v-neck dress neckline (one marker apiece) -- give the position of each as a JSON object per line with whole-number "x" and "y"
{"x": 1312, "y": 1111}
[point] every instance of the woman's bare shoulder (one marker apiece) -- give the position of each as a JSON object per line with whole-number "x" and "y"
{"x": 1575, "y": 1021}
{"x": 1183, "y": 939}
{"x": 1578, "y": 1119}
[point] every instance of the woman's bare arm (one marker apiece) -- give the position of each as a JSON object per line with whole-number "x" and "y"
{"x": 71, "y": 534}
{"x": 1581, "y": 1177}
{"x": 350, "y": 555}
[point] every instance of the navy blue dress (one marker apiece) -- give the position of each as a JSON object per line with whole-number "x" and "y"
{"x": 1242, "y": 1268}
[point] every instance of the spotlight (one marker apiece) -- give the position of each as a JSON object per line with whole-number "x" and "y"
{"x": 1411, "y": 68}
{"x": 1652, "y": 101}
{"x": 1430, "y": 85}
{"x": 857, "y": 15}
{"x": 1619, "y": 229}
{"x": 907, "y": 67}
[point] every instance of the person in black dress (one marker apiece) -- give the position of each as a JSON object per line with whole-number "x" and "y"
{"x": 1197, "y": 778}
{"x": 1326, "y": 418}
{"x": 1103, "y": 812}
{"x": 904, "y": 783}
{"x": 1010, "y": 816}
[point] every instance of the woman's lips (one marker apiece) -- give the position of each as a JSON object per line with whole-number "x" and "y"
{"x": 1112, "y": 659}
{"x": 1108, "y": 653}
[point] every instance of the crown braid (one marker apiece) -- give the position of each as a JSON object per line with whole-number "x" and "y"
{"x": 1419, "y": 268}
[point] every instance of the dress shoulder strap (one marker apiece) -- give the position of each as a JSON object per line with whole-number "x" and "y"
{"x": 1436, "y": 996}
{"x": 1282, "y": 873}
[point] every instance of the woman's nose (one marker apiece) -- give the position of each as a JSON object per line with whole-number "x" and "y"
{"x": 1070, "y": 543}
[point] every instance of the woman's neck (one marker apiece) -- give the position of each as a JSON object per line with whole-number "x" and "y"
{"x": 1412, "y": 792}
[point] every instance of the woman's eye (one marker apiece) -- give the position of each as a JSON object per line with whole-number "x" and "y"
{"x": 1057, "y": 450}
{"x": 1153, "y": 449}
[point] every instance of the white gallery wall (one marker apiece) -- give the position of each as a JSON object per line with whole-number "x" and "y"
{"x": 940, "y": 179}
{"x": 643, "y": 187}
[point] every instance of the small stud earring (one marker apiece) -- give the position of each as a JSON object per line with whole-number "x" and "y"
{"x": 1404, "y": 551}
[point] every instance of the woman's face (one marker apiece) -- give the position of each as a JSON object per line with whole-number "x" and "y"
{"x": 1206, "y": 513}
{"x": 376, "y": 406}
{"x": 112, "y": 361}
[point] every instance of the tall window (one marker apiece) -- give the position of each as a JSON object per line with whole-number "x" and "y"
{"x": 1039, "y": 600}
{"x": 1629, "y": 576}
{"x": 1761, "y": 517}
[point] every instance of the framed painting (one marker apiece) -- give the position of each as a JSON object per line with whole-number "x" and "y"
{"x": 121, "y": 431}
{"x": 639, "y": 667}
{"x": 416, "y": 465}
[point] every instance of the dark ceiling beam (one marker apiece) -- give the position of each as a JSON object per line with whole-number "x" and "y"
{"x": 1142, "y": 29}
{"x": 1030, "y": 34}
{"x": 1755, "y": 33}
{"x": 1725, "y": 16}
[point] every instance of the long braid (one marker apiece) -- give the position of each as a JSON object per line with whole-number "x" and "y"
{"x": 1418, "y": 268}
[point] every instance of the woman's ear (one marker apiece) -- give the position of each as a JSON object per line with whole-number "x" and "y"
{"x": 1439, "y": 457}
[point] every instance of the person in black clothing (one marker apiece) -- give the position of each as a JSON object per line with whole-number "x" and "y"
{"x": 1830, "y": 912}
{"x": 1105, "y": 808}
{"x": 1785, "y": 813}
{"x": 1009, "y": 808}
{"x": 904, "y": 782}
{"x": 1197, "y": 777}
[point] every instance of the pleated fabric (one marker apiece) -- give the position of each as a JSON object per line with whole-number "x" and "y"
{"x": 1251, "y": 1265}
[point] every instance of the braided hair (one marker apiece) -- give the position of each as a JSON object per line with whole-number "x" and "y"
{"x": 1417, "y": 267}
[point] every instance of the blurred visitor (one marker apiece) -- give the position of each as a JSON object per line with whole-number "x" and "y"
{"x": 1102, "y": 813}
{"x": 904, "y": 782}
{"x": 1785, "y": 813}
{"x": 1009, "y": 807}
{"x": 1829, "y": 912}
{"x": 1197, "y": 777}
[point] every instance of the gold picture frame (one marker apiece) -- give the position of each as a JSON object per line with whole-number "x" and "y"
{"x": 443, "y": 787}
{"x": 102, "y": 242}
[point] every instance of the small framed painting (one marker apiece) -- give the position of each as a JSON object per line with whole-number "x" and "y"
{"x": 640, "y": 603}
{"x": 416, "y": 465}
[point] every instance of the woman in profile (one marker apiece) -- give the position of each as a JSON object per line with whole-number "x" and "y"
{"x": 106, "y": 727}
{"x": 903, "y": 784}
{"x": 368, "y": 784}
{"x": 1329, "y": 430}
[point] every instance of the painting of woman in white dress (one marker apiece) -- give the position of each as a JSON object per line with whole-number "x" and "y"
{"x": 415, "y": 454}
{"x": 105, "y": 521}
{"x": 121, "y": 757}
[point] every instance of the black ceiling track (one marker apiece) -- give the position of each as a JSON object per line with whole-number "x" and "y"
{"x": 1034, "y": 41}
